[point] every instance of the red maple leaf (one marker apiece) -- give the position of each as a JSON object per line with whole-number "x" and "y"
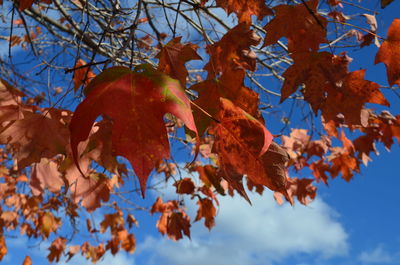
{"x": 136, "y": 102}
{"x": 389, "y": 53}
{"x": 233, "y": 51}
{"x": 244, "y": 9}
{"x": 301, "y": 24}
{"x": 173, "y": 56}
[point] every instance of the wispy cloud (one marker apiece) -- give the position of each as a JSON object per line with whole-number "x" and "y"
{"x": 378, "y": 255}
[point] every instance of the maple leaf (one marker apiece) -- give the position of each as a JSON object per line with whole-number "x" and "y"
{"x": 339, "y": 16}
{"x": 319, "y": 169}
{"x": 48, "y": 223}
{"x": 301, "y": 188}
{"x": 315, "y": 71}
{"x": 389, "y": 52}
{"x": 344, "y": 163}
{"x": 210, "y": 177}
{"x": 56, "y": 249}
{"x": 185, "y": 186}
{"x": 93, "y": 252}
{"x": 207, "y": 211}
{"x": 9, "y": 219}
{"x": 9, "y": 95}
{"x": 304, "y": 28}
{"x": 131, "y": 220}
{"x": 99, "y": 146}
{"x": 343, "y": 160}
{"x": 128, "y": 242}
{"x": 383, "y": 127}
{"x": 3, "y": 247}
{"x": 72, "y": 251}
{"x": 113, "y": 221}
{"x": 244, "y": 9}
{"x": 91, "y": 189}
{"x": 173, "y": 56}
{"x": 352, "y": 93}
{"x": 173, "y": 221}
{"x": 82, "y": 75}
{"x": 233, "y": 51}
{"x": 136, "y": 102}
{"x": 229, "y": 86}
{"x": 45, "y": 175}
{"x": 32, "y": 136}
{"x": 241, "y": 143}
{"x": 178, "y": 224}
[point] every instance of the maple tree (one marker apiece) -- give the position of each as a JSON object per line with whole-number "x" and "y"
{"x": 113, "y": 94}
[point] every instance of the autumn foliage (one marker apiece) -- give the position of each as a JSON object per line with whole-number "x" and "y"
{"x": 193, "y": 114}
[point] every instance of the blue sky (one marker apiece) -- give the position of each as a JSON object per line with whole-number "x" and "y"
{"x": 348, "y": 223}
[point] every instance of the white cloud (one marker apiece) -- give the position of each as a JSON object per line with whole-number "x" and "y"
{"x": 379, "y": 255}
{"x": 120, "y": 258}
{"x": 263, "y": 233}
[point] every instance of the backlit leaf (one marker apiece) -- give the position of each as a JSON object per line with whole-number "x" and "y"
{"x": 136, "y": 102}
{"x": 389, "y": 53}
{"x": 173, "y": 56}
{"x": 305, "y": 29}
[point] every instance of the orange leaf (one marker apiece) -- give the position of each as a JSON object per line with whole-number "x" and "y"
{"x": 207, "y": 211}
{"x": 9, "y": 95}
{"x": 210, "y": 177}
{"x": 315, "y": 71}
{"x": 45, "y": 175}
{"x": 3, "y": 247}
{"x": 301, "y": 188}
{"x": 32, "y": 135}
{"x": 244, "y": 9}
{"x": 128, "y": 242}
{"x": 91, "y": 189}
{"x": 173, "y": 221}
{"x": 352, "y": 93}
{"x": 233, "y": 51}
{"x": 56, "y": 249}
{"x": 241, "y": 143}
{"x": 137, "y": 102}
{"x": 83, "y": 75}
{"x": 229, "y": 86}
{"x": 304, "y": 30}
{"x": 27, "y": 261}
{"x": 48, "y": 224}
{"x": 389, "y": 53}
{"x": 173, "y": 56}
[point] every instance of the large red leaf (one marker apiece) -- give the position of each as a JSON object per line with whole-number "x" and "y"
{"x": 136, "y": 101}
